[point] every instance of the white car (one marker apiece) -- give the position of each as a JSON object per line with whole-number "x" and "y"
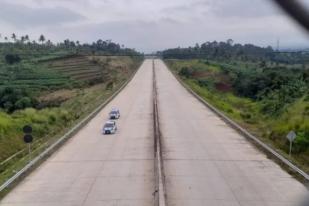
{"x": 110, "y": 127}
{"x": 114, "y": 114}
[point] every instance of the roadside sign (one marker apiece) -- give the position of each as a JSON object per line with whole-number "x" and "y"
{"x": 27, "y": 129}
{"x": 28, "y": 138}
{"x": 291, "y": 137}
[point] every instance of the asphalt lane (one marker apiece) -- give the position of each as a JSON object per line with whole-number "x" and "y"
{"x": 208, "y": 163}
{"x": 94, "y": 169}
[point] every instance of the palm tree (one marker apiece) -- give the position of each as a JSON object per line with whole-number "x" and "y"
{"x": 42, "y": 38}
{"x": 27, "y": 37}
{"x": 49, "y": 43}
{"x": 66, "y": 43}
{"x": 22, "y": 39}
{"x": 14, "y": 37}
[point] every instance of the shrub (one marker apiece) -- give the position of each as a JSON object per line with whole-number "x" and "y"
{"x": 307, "y": 98}
{"x": 22, "y": 103}
{"x": 301, "y": 143}
{"x": 245, "y": 115}
{"x": 12, "y": 58}
{"x": 205, "y": 83}
{"x": 186, "y": 72}
{"x": 13, "y": 99}
{"x": 109, "y": 85}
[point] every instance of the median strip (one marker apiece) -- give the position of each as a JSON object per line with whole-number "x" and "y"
{"x": 159, "y": 194}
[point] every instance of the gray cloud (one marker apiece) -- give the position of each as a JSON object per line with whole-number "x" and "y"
{"x": 23, "y": 16}
{"x": 244, "y": 8}
{"x": 150, "y": 25}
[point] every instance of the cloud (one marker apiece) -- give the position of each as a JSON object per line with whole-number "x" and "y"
{"x": 244, "y": 8}
{"x": 150, "y": 25}
{"x": 23, "y": 16}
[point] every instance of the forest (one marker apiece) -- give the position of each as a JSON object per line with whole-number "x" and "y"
{"x": 227, "y": 51}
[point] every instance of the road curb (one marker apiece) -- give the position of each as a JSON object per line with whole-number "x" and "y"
{"x": 20, "y": 175}
{"x": 303, "y": 175}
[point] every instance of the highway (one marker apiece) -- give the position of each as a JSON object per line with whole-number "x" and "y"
{"x": 205, "y": 162}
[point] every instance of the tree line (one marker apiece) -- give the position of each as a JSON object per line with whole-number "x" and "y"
{"x": 230, "y": 51}
{"x": 100, "y": 46}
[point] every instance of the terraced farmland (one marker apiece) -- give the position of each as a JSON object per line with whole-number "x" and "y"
{"x": 79, "y": 68}
{"x": 32, "y": 77}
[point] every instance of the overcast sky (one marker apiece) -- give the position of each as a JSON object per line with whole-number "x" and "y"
{"x": 150, "y": 25}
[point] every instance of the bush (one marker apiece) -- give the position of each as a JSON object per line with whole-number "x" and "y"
{"x": 307, "y": 98}
{"x": 245, "y": 115}
{"x": 301, "y": 143}
{"x": 205, "y": 83}
{"x": 22, "y": 103}
{"x": 109, "y": 85}
{"x": 12, "y": 99}
{"x": 186, "y": 72}
{"x": 12, "y": 58}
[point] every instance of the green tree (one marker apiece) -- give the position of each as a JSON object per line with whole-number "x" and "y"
{"x": 22, "y": 39}
{"x": 12, "y": 58}
{"x": 23, "y": 103}
{"x": 27, "y": 37}
{"x": 42, "y": 38}
{"x": 14, "y": 37}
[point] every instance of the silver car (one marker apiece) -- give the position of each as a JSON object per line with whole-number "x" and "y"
{"x": 110, "y": 127}
{"x": 114, "y": 114}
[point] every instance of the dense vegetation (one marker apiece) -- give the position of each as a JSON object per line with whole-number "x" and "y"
{"x": 269, "y": 99}
{"x": 236, "y": 52}
{"x": 52, "y": 87}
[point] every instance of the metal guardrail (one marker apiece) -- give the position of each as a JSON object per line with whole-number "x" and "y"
{"x": 41, "y": 157}
{"x": 243, "y": 131}
{"x": 25, "y": 149}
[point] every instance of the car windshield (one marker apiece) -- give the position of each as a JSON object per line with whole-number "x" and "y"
{"x": 113, "y": 112}
{"x": 109, "y": 125}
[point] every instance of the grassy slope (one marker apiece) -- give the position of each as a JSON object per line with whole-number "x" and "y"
{"x": 247, "y": 112}
{"x": 50, "y": 123}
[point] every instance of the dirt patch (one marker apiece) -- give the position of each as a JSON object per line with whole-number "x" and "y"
{"x": 223, "y": 83}
{"x": 56, "y": 98}
{"x": 202, "y": 74}
{"x": 223, "y": 87}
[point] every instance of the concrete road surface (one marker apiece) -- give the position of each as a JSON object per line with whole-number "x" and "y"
{"x": 94, "y": 169}
{"x": 208, "y": 163}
